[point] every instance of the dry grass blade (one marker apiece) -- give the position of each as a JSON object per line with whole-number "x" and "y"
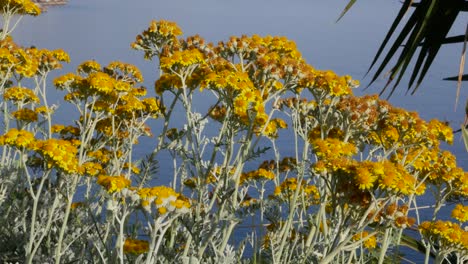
{"x": 462, "y": 67}
{"x": 346, "y": 9}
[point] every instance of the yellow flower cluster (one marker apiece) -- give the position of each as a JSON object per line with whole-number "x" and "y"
{"x": 461, "y": 185}
{"x": 113, "y": 183}
{"x": 135, "y": 246}
{"x": 88, "y": 67}
{"x": 450, "y": 236}
{"x": 165, "y": 28}
{"x": 333, "y": 154}
{"x": 50, "y": 60}
{"x": 65, "y": 130}
{"x": 440, "y": 131}
{"x": 123, "y": 70}
{"x": 438, "y": 166}
{"x": 229, "y": 81}
{"x": 167, "y": 82}
{"x": 369, "y": 241}
{"x": 366, "y": 174}
{"x": 25, "y": 114}
{"x": 181, "y": 59}
{"x": 288, "y": 187}
{"x": 20, "y": 95}
{"x": 165, "y": 199}
{"x": 155, "y": 36}
{"x": 260, "y": 174}
{"x": 271, "y": 128}
{"x": 101, "y": 82}
{"x": 92, "y": 168}
{"x": 112, "y": 89}
{"x": 396, "y": 179}
{"x": 25, "y": 7}
{"x": 27, "y": 62}
{"x": 328, "y": 82}
{"x": 18, "y": 138}
{"x": 460, "y": 212}
{"x": 330, "y": 148}
{"x": 285, "y": 165}
{"x": 403, "y": 128}
{"x": 59, "y": 153}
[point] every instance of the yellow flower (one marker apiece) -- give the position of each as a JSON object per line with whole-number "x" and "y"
{"x": 113, "y": 183}
{"x": 61, "y": 55}
{"x": 368, "y": 241}
{"x": 460, "y": 212}
{"x": 135, "y": 246}
{"x": 20, "y": 94}
{"x": 18, "y": 138}
{"x": 450, "y": 236}
{"x": 364, "y": 177}
{"x": 183, "y": 58}
{"x": 59, "y": 153}
{"x": 25, "y": 114}
{"x": 101, "y": 82}
{"x": 92, "y": 168}
{"x": 88, "y": 67}
{"x": 26, "y": 7}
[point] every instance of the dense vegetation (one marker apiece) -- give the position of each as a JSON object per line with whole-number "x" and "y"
{"x": 345, "y": 189}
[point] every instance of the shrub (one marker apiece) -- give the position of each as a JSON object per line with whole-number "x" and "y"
{"x": 316, "y": 173}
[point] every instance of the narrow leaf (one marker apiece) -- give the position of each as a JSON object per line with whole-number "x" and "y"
{"x": 465, "y": 136}
{"x": 348, "y": 6}
{"x": 461, "y": 68}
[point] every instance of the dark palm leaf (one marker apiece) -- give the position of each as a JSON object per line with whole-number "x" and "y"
{"x": 455, "y": 78}
{"x": 421, "y": 36}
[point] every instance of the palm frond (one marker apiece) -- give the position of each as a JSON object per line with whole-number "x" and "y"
{"x": 419, "y": 39}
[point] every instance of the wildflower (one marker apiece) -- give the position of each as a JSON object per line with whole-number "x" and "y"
{"x": 364, "y": 177}
{"x": 260, "y": 174}
{"x": 18, "y": 138}
{"x": 135, "y": 246}
{"x": 180, "y": 205}
{"x": 26, "y": 7}
{"x": 113, "y": 183}
{"x": 460, "y": 212}
{"x": 161, "y": 195}
{"x": 61, "y": 55}
{"x": 25, "y": 114}
{"x": 126, "y": 71}
{"x": 369, "y": 241}
{"x": 449, "y": 235}
{"x": 153, "y": 106}
{"x": 183, "y": 58}
{"x": 20, "y": 94}
{"x": 288, "y": 187}
{"x": 88, "y": 67}
{"x": 58, "y": 153}
{"x": 101, "y": 82}
{"x": 92, "y": 168}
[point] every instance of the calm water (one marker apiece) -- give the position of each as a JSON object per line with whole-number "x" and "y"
{"x": 103, "y": 30}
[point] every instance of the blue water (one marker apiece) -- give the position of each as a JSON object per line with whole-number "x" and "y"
{"x": 103, "y": 30}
